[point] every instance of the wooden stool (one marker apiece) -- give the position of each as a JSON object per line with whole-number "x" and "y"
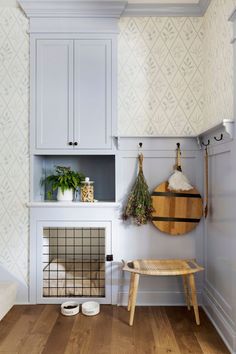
{"x": 163, "y": 267}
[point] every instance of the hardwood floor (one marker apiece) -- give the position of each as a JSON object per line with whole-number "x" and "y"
{"x": 35, "y": 329}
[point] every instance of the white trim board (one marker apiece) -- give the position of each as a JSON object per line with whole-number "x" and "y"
{"x": 157, "y": 298}
{"x": 172, "y": 10}
{"x": 110, "y": 8}
{"x": 223, "y": 327}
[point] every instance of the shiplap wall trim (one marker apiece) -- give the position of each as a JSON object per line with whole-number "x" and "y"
{"x": 75, "y": 8}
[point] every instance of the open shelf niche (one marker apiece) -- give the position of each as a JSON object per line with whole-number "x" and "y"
{"x": 99, "y": 168}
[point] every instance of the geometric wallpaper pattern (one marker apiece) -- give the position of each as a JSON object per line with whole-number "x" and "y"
{"x": 168, "y": 85}
{"x": 160, "y": 76}
{"x": 218, "y": 63}
{"x": 14, "y": 156}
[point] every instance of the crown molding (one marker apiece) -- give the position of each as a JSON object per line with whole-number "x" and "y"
{"x": 168, "y": 9}
{"x": 73, "y": 8}
{"x": 108, "y": 8}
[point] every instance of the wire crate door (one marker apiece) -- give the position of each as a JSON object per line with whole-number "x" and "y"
{"x": 71, "y": 262}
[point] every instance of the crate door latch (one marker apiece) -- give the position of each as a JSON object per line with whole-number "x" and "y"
{"x": 109, "y": 258}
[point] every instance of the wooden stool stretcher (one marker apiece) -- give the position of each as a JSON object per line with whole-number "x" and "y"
{"x": 163, "y": 267}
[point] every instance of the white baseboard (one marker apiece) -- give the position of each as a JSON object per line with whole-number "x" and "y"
{"x": 217, "y": 316}
{"x": 156, "y": 298}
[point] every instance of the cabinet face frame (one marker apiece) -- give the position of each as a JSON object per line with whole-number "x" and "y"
{"x": 112, "y": 116}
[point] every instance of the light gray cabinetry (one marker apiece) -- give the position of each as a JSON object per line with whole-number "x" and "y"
{"x": 92, "y": 94}
{"x": 54, "y": 93}
{"x": 73, "y": 95}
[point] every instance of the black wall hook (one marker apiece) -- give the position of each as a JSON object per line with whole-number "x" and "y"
{"x": 140, "y": 145}
{"x": 208, "y": 143}
{"x": 219, "y": 139}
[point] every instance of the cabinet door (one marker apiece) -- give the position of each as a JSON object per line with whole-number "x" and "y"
{"x": 54, "y": 94}
{"x": 92, "y": 95}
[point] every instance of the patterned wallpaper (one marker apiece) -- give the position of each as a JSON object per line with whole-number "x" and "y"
{"x": 160, "y": 76}
{"x": 14, "y": 159}
{"x": 218, "y": 63}
{"x": 160, "y": 92}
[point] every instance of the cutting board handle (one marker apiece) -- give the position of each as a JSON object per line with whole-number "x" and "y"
{"x": 178, "y": 158}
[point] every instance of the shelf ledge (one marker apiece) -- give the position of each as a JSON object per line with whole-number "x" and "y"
{"x": 222, "y": 132}
{"x": 227, "y": 125}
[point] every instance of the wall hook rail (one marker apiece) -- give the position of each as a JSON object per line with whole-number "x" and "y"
{"x": 220, "y": 138}
{"x": 208, "y": 143}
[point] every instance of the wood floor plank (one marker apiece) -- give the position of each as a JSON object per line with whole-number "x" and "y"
{"x": 122, "y": 334}
{"x": 58, "y": 339}
{"x": 182, "y": 328}
{"x": 142, "y": 330}
{"x": 40, "y": 332}
{"x": 41, "y": 329}
{"x": 80, "y": 337}
{"x": 20, "y": 330}
{"x": 208, "y": 339}
{"x": 9, "y": 320}
{"x": 163, "y": 332}
{"x": 101, "y": 333}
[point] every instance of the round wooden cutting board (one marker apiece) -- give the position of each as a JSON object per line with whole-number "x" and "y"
{"x": 176, "y": 212}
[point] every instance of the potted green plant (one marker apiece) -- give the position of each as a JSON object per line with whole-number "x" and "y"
{"x": 65, "y": 181}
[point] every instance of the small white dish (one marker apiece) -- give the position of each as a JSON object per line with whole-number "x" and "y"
{"x": 90, "y": 308}
{"x": 69, "y": 308}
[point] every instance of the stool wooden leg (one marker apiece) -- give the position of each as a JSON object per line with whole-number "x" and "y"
{"x": 194, "y": 297}
{"x": 130, "y": 290}
{"x": 186, "y": 291}
{"x": 133, "y": 298}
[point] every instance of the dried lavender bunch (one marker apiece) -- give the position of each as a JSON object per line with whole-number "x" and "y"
{"x": 139, "y": 205}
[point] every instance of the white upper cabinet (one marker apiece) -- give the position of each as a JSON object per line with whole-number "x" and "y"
{"x": 54, "y": 93}
{"x": 73, "y": 109}
{"x": 73, "y": 75}
{"x": 92, "y": 94}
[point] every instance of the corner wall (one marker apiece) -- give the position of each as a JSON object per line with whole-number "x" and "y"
{"x": 14, "y": 120}
{"x": 219, "y": 294}
{"x": 218, "y": 63}
{"x": 14, "y": 155}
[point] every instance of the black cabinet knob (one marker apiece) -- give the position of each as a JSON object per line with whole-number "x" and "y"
{"x": 70, "y": 143}
{"x": 75, "y": 143}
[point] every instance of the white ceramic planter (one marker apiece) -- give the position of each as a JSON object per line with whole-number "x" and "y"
{"x": 67, "y": 196}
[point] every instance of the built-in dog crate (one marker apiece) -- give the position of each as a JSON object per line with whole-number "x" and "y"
{"x": 72, "y": 261}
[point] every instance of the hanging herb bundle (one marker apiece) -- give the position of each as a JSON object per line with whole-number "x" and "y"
{"x": 139, "y": 205}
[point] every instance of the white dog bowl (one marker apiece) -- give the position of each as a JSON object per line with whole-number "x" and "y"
{"x": 90, "y": 308}
{"x": 69, "y": 308}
